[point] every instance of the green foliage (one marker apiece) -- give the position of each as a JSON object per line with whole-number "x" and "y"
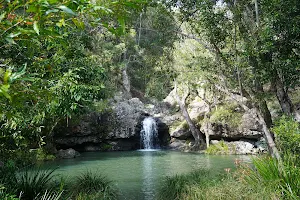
{"x": 227, "y": 114}
{"x": 31, "y": 182}
{"x": 42, "y": 155}
{"x": 106, "y": 147}
{"x": 281, "y": 178}
{"x": 175, "y": 187}
{"x": 91, "y": 185}
{"x": 150, "y": 46}
{"x": 205, "y": 185}
{"x": 53, "y": 64}
{"x": 6, "y": 196}
{"x": 219, "y": 148}
{"x": 42, "y": 184}
{"x": 287, "y": 133}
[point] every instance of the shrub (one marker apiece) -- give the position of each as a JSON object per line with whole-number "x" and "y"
{"x": 7, "y": 176}
{"x": 281, "y": 178}
{"x": 5, "y": 195}
{"x": 287, "y": 133}
{"x": 205, "y": 185}
{"x": 178, "y": 186}
{"x": 32, "y": 182}
{"x": 29, "y": 182}
{"x": 88, "y": 185}
{"x": 42, "y": 155}
{"x": 49, "y": 196}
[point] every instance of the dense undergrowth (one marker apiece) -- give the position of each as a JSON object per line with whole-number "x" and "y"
{"x": 266, "y": 178}
{"x": 44, "y": 184}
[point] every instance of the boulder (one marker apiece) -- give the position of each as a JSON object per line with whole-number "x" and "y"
{"x": 176, "y": 144}
{"x": 170, "y": 100}
{"x": 243, "y": 147}
{"x": 248, "y": 129}
{"x": 67, "y": 154}
{"x": 181, "y": 132}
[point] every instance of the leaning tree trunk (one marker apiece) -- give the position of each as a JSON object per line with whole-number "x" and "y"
{"x": 268, "y": 136}
{"x": 199, "y": 140}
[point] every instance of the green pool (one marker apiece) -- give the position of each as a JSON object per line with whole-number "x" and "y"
{"x": 138, "y": 174}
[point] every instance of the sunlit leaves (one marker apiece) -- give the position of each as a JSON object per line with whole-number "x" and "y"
{"x": 36, "y": 27}
{"x": 67, "y": 10}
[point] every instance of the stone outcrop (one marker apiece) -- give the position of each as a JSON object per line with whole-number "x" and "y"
{"x": 116, "y": 129}
{"x": 119, "y": 127}
{"x": 241, "y": 147}
{"x": 67, "y": 154}
{"x": 249, "y": 128}
{"x": 245, "y": 138}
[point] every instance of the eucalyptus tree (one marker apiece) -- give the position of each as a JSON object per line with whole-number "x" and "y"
{"x": 240, "y": 35}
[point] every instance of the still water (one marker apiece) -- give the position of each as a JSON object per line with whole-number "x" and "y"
{"x": 138, "y": 174}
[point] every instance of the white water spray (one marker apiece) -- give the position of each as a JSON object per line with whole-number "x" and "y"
{"x": 149, "y": 133}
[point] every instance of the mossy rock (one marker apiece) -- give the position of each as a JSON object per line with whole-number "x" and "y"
{"x": 227, "y": 114}
{"x": 221, "y": 148}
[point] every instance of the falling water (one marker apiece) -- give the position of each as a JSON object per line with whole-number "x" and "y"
{"x": 149, "y": 134}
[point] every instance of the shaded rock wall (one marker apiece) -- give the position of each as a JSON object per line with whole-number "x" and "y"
{"x": 116, "y": 129}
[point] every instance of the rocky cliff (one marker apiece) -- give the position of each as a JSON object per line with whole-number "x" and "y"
{"x": 225, "y": 122}
{"x": 118, "y": 128}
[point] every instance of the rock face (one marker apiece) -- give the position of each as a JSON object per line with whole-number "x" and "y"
{"x": 244, "y": 138}
{"x": 67, "y": 154}
{"x": 249, "y": 128}
{"x": 119, "y": 127}
{"x": 116, "y": 129}
{"x": 241, "y": 147}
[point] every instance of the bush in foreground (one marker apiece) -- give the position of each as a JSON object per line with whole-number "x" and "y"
{"x": 43, "y": 184}
{"x": 204, "y": 184}
{"x": 266, "y": 179}
{"x": 89, "y": 185}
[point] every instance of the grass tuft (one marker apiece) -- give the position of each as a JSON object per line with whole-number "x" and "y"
{"x": 91, "y": 185}
{"x": 32, "y": 182}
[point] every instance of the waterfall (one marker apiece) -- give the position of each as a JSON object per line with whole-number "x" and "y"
{"x": 149, "y": 134}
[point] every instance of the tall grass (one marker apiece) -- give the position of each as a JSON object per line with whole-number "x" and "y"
{"x": 89, "y": 185}
{"x": 42, "y": 184}
{"x": 27, "y": 183}
{"x": 206, "y": 185}
{"x": 283, "y": 179}
{"x": 34, "y": 181}
{"x": 179, "y": 186}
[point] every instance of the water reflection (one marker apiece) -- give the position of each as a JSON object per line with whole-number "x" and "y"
{"x": 148, "y": 176}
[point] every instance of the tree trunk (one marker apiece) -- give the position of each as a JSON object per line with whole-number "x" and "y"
{"x": 268, "y": 136}
{"x": 284, "y": 100}
{"x": 210, "y": 106}
{"x": 199, "y": 140}
{"x": 125, "y": 77}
